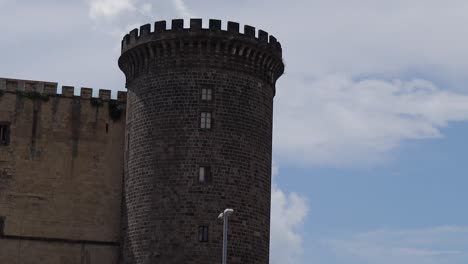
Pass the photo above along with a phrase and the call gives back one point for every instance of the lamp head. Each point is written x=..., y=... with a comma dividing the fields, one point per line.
x=226, y=213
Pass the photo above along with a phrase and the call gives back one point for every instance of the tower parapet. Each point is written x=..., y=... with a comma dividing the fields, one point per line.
x=230, y=49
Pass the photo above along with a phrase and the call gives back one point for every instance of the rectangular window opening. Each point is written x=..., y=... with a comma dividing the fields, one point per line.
x=207, y=94
x=205, y=120
x=2, y=224
x=204, y=174
x=4, y=134
x=203, y=234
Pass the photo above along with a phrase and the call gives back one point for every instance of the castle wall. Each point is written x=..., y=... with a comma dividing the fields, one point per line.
x=60, y=175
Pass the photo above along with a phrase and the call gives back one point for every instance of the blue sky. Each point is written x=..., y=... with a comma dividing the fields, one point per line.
x=370, y=116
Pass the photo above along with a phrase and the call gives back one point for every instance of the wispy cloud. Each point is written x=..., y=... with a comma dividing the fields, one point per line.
x=109, y=8
x=429, y=246
x=337, y=120
x=127, y=9
x=288, y=211
x=118, y=17
x=182, y=9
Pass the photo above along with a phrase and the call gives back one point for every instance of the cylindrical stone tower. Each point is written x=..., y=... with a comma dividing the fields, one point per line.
x=199, y=137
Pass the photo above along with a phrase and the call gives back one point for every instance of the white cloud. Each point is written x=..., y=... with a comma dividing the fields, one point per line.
x=146, y=9
x=109, y=8
x=130, y=10
x=413, y=38
x=336, y=120
x=118, y=17
x=182, y=8
x=288, y=212
x=418, y=246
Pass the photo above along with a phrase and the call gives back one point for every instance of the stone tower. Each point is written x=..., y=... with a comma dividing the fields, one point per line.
x=198, y=140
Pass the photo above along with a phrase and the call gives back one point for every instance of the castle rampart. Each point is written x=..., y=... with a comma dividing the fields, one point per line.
x=61, y=167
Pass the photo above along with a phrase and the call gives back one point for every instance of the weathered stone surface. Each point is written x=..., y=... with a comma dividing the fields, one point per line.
x=60, y=176
x=164, y=202
x=40, y=252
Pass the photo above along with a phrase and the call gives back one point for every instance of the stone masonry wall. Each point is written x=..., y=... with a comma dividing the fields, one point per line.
x=61, y=174
x=164, y=201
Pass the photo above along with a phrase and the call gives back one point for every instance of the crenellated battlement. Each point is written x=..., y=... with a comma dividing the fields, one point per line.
x=177, y=29
x=252, y=52
x=50, y=89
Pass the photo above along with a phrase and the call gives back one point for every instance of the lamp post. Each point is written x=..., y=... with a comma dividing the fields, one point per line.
x=225, y=215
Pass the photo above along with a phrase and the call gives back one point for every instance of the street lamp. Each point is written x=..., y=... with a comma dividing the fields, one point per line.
x=225, y=216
